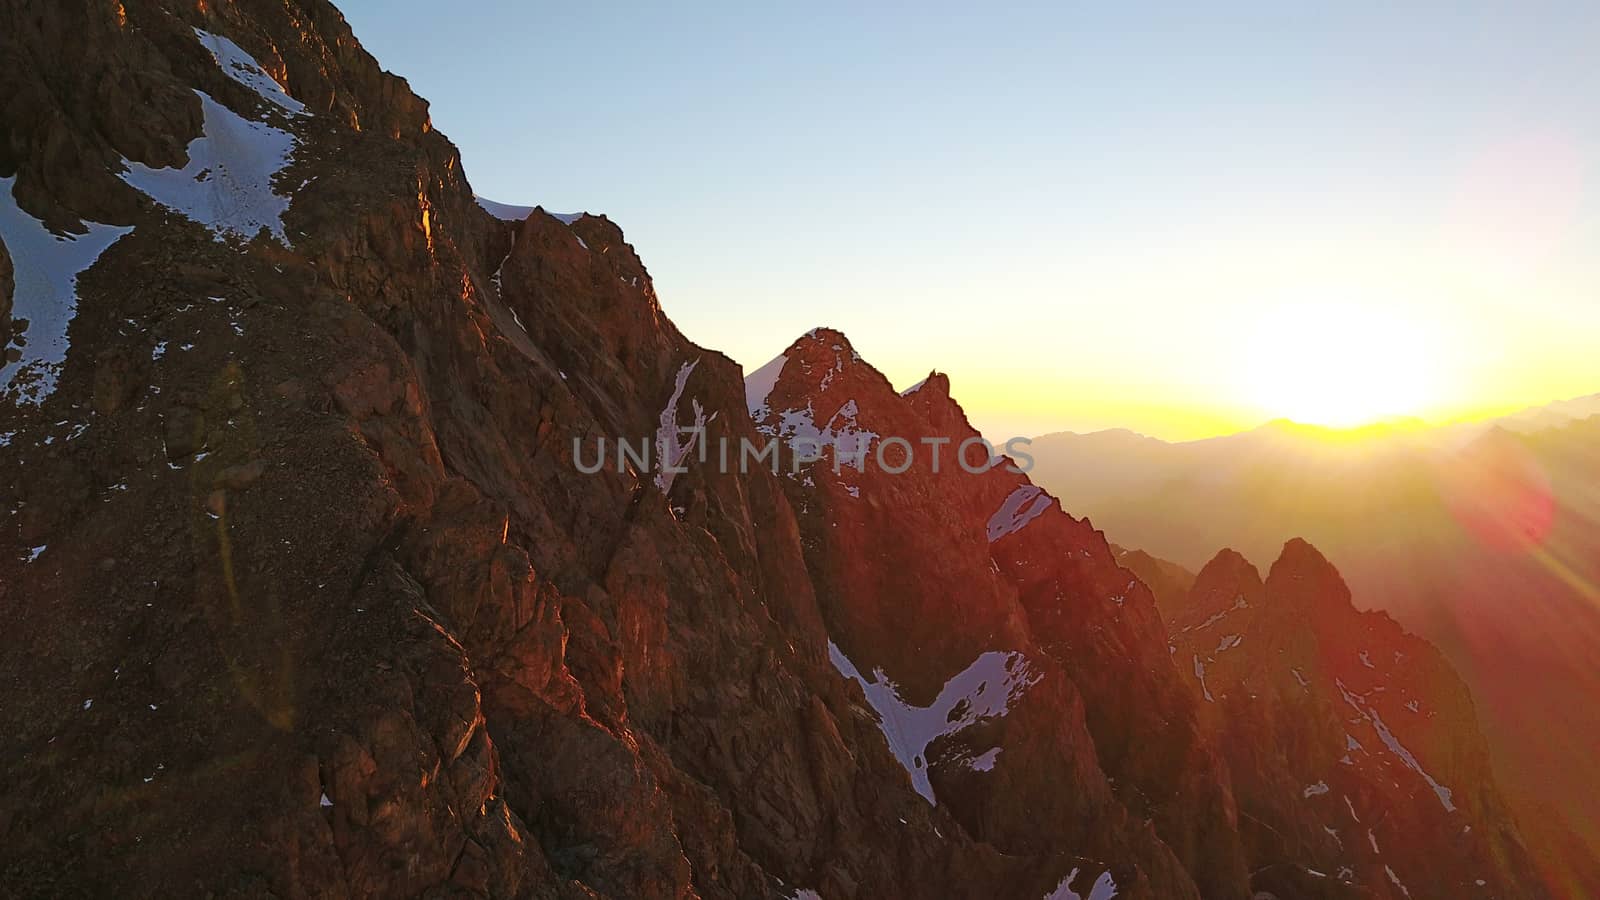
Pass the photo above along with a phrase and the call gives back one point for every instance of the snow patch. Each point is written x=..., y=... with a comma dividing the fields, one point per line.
x=504, y=211
x=1105, y=887
x=843, y=433
x=1395, y=747
x=45, y=267
x=983, y=690
x=243, y=68
x=1315, y=790
x=758, y=387
x=1238, y=603
x=1200, y=673
x=1396, y=879
x=671, y=448
x=984, y=762
x=1022, y=506
x=508, y=212
x=227, y=183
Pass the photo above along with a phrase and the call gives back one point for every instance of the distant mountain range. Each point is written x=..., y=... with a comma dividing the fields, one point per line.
x=1552, y=415
x=1483, y=537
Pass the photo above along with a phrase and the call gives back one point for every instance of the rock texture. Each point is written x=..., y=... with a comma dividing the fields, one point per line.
x=311, y=590
x=1356, y=758
x=919, y=572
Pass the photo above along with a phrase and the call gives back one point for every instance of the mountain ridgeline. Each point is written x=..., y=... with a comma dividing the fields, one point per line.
x=1483, y=538
x=308, y=596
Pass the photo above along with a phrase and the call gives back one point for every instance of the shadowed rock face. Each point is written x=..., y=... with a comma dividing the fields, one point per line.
x=307, y=594
x=1169, y=581
x=1353, y=746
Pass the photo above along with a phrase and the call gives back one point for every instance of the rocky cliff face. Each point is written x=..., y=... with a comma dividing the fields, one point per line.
x=926, y=575
x=311, y=593
x=920, y=571
x=1356, y=757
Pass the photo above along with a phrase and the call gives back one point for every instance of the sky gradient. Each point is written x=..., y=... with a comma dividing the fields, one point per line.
x=1179, y=220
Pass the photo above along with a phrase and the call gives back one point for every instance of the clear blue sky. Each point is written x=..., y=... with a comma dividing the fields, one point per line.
x=1090, y=216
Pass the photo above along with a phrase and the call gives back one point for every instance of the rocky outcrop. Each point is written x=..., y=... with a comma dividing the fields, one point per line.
x=1353, y=746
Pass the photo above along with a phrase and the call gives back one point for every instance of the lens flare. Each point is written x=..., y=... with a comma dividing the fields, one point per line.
x=1499, y=494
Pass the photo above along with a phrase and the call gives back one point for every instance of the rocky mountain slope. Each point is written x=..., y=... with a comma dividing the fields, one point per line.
x=1326, y=716
x=1487, y=544
x=311, y=590
x=921, y=573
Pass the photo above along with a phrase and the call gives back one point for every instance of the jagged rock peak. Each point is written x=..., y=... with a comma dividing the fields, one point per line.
x=931, y=398
x=1228, y=582
x=1369, y=721
x=1299, y=560
x=824, y=370
x=815, y=353
x=935, y=386
x=1228, y=563
x=819, y=366
x=824, y=345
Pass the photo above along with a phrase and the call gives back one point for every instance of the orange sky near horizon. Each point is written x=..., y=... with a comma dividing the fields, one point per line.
x=1452, y=344
x=1482, y=302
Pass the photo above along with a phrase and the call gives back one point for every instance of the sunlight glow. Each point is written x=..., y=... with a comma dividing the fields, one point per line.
x=1341, y=364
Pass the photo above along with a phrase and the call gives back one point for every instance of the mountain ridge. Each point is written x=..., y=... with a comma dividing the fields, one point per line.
x=310, y=595
x=1540, y=416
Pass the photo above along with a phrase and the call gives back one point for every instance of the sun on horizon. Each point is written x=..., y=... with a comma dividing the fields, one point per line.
x=1343, y=365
